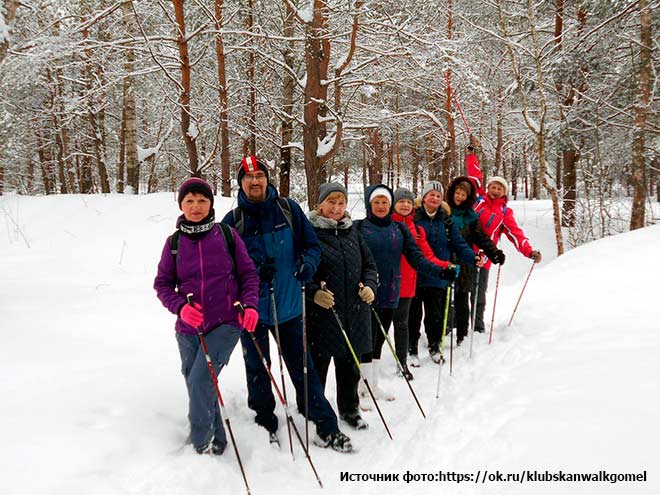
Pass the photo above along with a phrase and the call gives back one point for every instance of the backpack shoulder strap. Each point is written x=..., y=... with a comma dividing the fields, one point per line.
x=237, y=213
x=285, y=208
x=174, y=243
x=230, y=242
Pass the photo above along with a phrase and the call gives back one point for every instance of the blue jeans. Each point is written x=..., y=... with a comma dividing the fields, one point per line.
x=203, y=409
x=260, y=395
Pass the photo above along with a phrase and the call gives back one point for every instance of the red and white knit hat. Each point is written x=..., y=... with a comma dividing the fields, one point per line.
x=251, y=164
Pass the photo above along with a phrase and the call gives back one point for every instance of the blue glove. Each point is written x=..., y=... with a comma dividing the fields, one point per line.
x=305, y=272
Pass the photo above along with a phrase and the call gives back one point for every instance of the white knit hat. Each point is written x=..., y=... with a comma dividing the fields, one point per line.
x=380, y=191
x=500, y=180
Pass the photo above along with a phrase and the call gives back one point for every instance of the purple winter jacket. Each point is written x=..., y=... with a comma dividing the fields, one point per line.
x=204, y=268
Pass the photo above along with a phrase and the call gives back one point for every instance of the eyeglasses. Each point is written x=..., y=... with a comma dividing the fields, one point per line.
x=257, y=177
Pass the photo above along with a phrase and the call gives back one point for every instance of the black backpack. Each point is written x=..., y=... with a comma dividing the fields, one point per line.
x=285, y=208
x=226, y=233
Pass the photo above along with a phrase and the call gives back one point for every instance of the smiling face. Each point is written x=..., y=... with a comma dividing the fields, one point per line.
x=495, y=190
x=380, y=206
x=255, y=185
x=403, y=207
x=195, y=207
x=333, y=206
x=432, y=201
x=459, y=196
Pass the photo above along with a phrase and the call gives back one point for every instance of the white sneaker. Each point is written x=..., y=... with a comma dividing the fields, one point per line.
x=413, y=361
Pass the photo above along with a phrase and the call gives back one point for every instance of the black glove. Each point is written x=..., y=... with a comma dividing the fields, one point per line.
x=498, y=258
x=267, y=271
x=305, y=272
x=450, y=273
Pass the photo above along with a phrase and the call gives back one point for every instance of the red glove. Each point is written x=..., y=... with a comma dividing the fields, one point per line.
x=192, y=315
x=249, y=319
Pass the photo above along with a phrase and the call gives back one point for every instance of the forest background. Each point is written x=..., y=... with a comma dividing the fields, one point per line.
x=101, y=96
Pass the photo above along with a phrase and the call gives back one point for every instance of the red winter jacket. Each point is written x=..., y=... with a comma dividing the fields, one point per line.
x=494, y=214
x=408, y=273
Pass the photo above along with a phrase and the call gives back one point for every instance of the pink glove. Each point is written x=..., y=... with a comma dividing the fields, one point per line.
x=249, y=319
x=192, y=315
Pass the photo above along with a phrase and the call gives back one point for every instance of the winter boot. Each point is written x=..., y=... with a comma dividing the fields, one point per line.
x=436, y=355
x=406, y=373
x=413, y=360
x=274, y=439
x=379, y=393
x=354, y=420
x=337, y=441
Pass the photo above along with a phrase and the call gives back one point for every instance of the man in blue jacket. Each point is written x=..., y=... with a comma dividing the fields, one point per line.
x=284, y=247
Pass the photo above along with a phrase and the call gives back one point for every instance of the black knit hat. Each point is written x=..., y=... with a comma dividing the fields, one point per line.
x=251, y=164
x=329, y=187
x=195, y=185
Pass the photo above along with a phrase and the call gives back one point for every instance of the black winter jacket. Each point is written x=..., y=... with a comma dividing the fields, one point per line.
x=470, y=227
x=345, y=262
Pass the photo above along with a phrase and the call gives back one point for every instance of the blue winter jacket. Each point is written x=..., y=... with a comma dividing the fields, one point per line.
x=388, y=240
x=267, y=234
x=437, y=229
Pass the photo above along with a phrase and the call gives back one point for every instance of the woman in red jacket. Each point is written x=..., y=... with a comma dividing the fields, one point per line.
x=404, y=212
x=496, y=219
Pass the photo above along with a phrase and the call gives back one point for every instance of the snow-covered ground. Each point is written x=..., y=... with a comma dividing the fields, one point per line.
x=94, y=403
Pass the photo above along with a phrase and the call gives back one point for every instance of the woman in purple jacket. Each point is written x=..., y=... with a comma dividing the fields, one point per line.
x=201, y=263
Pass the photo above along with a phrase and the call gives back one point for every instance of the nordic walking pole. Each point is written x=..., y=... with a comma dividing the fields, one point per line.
x=306, y=392
x=473, y=316
x=396, y=358
x=289, y=419
x=279, y=354
x=451, y=336
x=492, y=319
x=521, y=293
x=221, y=403
x=458, y=105
x=357, y=363
x=442, y=339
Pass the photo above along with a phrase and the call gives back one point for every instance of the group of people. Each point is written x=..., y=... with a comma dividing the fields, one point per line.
x=355, y=279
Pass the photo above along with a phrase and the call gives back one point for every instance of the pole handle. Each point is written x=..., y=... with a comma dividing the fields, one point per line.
x=190, y=298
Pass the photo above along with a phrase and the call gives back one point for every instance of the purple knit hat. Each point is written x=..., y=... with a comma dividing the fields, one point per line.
x=195, y=185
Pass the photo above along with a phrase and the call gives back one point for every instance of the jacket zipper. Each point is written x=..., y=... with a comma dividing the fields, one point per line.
x=201, y=269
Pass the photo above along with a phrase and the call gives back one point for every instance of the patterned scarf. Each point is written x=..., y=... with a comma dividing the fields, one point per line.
x=197, y=229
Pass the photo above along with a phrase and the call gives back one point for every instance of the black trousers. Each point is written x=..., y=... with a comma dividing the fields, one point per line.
x=347, y=377
x=429, y=301
x=479, y=325
x=399, y=317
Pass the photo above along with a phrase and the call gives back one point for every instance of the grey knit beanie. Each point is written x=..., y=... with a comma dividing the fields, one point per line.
x=432, y=185
x=329, y=187
x=403, y=193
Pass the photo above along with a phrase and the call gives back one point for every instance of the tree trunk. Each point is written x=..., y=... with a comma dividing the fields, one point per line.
x=376, y=167
x=225, y=161
x=10, y=8
x=96, y=131
x=129, y=119
x=449, y=155
x=252, y=92
x=570, y=160
x=637, y=217
x=189, y=135
x=286, y=124
x=500, y=132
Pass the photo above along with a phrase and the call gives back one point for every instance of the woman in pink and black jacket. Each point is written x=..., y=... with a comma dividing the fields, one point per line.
x=202, y=263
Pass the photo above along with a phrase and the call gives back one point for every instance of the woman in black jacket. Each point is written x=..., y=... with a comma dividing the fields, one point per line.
x=461, y=196
x=350, y=277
